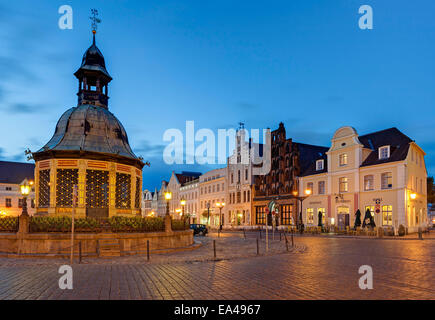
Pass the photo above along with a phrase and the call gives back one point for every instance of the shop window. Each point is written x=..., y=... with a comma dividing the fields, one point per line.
x=387, y=215
x=310, y=215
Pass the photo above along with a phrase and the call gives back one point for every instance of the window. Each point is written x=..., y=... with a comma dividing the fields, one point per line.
x=232, y=178
x=386, y=180
x=321, y=187
x=260, y=216
x=286, y=214
x=239, y=197
x=248, y=197
x=244, y=196
x=32, y=203
x=371, y=209
x=384, y=152
x=310, y=215
x=238, y=176
x=323, y=212
x=310, y=186
x=368, y=182
x=218, y=186
x=20, y=203
x=343, y=159
x=8, y=202
x=319, y=165
x=387, y=215
x=213, y=188
x=343, y=184
x=8, y=188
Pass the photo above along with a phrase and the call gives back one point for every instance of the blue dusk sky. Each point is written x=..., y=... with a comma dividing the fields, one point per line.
x=303, y=62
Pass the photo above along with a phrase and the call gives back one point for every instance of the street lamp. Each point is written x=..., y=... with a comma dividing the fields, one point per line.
x=25, y=190
x=301, y=199
x=220, y=205
x=413, y=196
x=168, y=197
x=183, y=205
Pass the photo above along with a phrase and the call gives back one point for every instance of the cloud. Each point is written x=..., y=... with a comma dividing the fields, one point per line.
x=22, y=108
x=247, y=106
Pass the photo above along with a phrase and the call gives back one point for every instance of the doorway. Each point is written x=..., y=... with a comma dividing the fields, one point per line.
x=342, y=217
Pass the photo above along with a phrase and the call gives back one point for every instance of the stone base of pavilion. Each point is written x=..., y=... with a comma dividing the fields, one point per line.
x=104, y=244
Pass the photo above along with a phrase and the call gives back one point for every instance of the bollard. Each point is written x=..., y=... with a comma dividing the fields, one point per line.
x=214, y=248
x=420, y=234
x=292, y=240
x=98, y=248
x=258, y=249
x=244, y=234
x=286, y=244
x=280, y=236
x=260, y=233
x=80, y=252
x=148, y=250
x=219, y=233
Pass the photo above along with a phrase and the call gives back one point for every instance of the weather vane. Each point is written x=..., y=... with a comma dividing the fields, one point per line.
x=94, y=20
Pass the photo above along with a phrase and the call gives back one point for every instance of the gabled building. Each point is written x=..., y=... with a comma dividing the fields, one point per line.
x=12, y=174
x=276, y=189
x=383, y=172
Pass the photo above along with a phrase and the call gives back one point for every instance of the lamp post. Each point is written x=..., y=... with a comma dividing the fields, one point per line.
x=168, y=197
x=25, y=190
x=301, y=199
x=220, y=205
x=183, y=206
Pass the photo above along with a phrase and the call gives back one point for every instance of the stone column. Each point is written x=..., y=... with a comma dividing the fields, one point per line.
x=81, y=206
x=23, y=230
x=53, y=170
x=168, y=223
x=112, y=189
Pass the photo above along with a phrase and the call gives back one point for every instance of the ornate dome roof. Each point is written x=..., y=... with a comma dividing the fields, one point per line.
x=89, y=129
x=93, y=60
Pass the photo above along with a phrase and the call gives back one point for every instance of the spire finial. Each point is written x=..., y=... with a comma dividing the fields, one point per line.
x=95, y=21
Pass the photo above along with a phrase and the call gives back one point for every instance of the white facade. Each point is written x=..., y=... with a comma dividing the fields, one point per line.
x=190, y=193
x=11, y=200
x=240, y=180
x=212, y=190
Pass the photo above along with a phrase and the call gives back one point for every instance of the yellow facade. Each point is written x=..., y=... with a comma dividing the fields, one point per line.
x=394, y=191
x=82, y=165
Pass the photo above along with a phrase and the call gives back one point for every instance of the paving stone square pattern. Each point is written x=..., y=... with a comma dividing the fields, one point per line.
x=316, y=268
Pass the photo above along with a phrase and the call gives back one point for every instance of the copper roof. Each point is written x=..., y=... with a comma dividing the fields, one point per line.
x=89, y=128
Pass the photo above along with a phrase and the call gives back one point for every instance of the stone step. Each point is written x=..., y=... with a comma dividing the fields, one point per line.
x=109, y=247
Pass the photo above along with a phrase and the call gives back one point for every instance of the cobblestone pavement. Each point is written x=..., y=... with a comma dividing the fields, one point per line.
x=318, y=268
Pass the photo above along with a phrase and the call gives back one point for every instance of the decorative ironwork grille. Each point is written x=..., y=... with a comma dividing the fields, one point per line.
x=65, y=181
x=123, y=191
x=137, y=194
x=97, y=189
x=44, y=188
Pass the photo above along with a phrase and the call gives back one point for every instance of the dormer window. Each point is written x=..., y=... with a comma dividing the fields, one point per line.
x=384, y=152
x=319, y=165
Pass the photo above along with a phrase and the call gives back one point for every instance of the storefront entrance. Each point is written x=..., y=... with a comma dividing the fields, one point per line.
x=342, y=217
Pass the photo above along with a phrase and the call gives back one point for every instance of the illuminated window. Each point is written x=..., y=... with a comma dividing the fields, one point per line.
x=321, y=187
x=8, y=202
x=260, y=215
x=371, y=209
x=386, y=180
x=323, y=212
x=369, y=182
x=310, y=215
x=310, y=186
x=343, y=159
x=343, y=184
x=387, y=215
x=286, y=214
